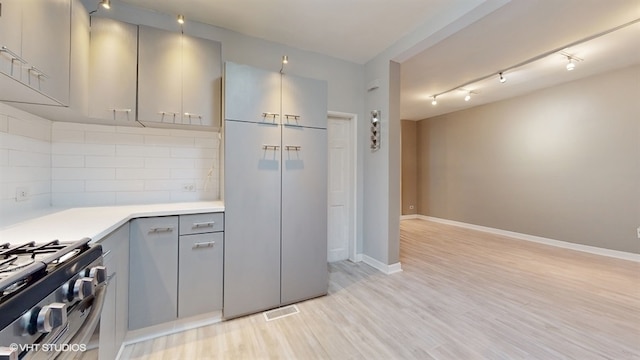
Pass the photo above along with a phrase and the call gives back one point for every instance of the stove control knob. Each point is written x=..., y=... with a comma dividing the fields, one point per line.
x=51, y=317
x=83, y=288
x=99, y=274
x=9, y=353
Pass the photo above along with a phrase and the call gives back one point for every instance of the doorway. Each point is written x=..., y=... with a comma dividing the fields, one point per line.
x=342, y=159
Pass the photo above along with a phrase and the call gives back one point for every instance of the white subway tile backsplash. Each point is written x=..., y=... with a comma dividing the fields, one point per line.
x=31, y=127
x=117, y=138
x=66, y=161
x=83, y=174
x=4, y=157
x=114, y=185
x=67, y=135
x=168, y=163
x=146, y=197
x=114, y=162
x=143, y=174
x=20, y=158
x=67, y=186
x=142, y=150
x=163, y=140
x=72, y=164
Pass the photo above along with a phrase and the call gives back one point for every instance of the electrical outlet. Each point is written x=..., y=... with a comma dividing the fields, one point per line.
x=411, y=207
x=22, y=193
x=189, y=187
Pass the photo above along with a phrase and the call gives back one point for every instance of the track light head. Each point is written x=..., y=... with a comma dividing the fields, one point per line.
x=180, y=19
x=502, y=78
x=468, y=97
x=571, y=65
x=105, y=4
x=434, y=101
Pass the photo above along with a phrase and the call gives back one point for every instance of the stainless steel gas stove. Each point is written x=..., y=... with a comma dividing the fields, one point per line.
x=51, y=297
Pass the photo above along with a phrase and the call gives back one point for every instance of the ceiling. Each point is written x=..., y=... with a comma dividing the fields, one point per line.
x=358, y=30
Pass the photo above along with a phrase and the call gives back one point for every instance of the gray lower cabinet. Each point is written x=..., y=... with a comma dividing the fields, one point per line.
x=200, y=273
x=113, y=320
x=153, y=280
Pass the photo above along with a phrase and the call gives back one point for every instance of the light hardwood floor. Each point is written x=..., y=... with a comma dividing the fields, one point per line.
x=463, y=294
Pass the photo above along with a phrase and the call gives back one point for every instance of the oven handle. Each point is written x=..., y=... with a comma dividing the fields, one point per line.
x=87, y=328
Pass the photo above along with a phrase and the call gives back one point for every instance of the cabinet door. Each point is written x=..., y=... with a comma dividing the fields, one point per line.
x=304, y=102
x=113, y=321
x=250, y=93
x=201, y=82
x=159, y=75
x=252, y=218
x=107, y=346
x=200, y=274
x=46, y=45
x=153, y=266
x=113, y=62
x=304, y=213
x=11, y=37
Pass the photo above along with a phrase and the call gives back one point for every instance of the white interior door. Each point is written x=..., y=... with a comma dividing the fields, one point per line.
x=340, y=188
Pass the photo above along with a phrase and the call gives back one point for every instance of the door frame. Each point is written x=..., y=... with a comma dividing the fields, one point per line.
x=353, y=201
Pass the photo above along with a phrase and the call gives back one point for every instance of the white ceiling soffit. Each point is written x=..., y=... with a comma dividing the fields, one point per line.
x=352, y=30
x=518, y=31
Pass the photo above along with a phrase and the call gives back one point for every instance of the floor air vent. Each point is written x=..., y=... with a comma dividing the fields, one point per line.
x=279, y=313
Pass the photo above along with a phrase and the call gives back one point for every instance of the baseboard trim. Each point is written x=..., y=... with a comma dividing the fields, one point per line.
x=409, y=217
x=171, y=327
x=538, y=239
x=387, y=269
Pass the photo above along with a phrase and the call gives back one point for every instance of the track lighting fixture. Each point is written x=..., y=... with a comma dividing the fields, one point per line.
x=468, y=97
x=434, y=101
x=285, y=60
x=571, y=65
x=502, y=78
x=105, y=4
x=180, y=19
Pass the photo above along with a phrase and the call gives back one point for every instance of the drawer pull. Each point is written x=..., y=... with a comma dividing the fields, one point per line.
x=204, y=224
x=161, y=229
x=202, y=245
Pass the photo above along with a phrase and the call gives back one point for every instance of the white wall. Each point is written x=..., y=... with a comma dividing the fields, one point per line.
x=561, y=163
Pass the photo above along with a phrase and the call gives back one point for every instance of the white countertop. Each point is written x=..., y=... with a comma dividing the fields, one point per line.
x=94, y=222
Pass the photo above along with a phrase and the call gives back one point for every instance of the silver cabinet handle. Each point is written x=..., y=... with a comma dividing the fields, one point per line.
x=161, y=229
x=267, y=147
x=14, y=56
x=202, y=245
x=193, y=115
x=266, y=114
x=293, y=147
x=106, y=253
x=204, y=224
x=295, y=117
x=39, y=73
x=120, y=110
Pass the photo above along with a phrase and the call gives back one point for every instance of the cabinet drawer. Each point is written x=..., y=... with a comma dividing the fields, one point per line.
x=201, y=223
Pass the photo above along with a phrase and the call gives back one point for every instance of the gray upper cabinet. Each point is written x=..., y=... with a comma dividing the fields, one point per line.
x=35, y=58
x=304, y=102
x=178, y=79
x=113, y=59
x=251, y=94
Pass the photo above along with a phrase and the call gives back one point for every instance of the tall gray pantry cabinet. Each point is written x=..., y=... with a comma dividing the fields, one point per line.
x=275, y=189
